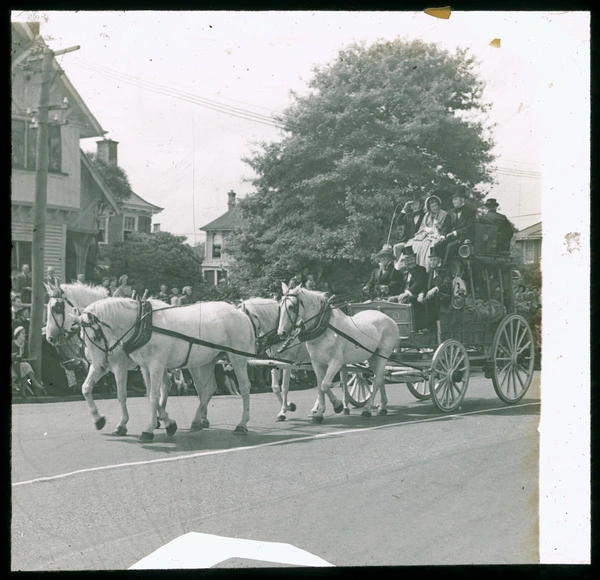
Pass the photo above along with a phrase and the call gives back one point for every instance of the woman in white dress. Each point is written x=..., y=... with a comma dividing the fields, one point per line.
x=435, y=224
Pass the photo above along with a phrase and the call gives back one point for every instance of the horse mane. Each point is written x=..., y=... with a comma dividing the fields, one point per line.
x=109, y=307
x=312, y=298
x=82, y=295
x=257, y=309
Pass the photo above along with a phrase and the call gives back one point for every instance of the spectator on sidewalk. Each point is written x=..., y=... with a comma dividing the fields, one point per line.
x=175, y=297
x=186, y=296
x=163, y=294
x=21, y=368
x=123, y=290
x=24, y=284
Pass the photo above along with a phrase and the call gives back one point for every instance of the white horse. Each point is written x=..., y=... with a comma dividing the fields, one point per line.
x=368, y=335
x=264, y=313
x=65, y=304
x=193, y=336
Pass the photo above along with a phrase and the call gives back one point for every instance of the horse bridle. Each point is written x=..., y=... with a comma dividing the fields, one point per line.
x=295, y=307
x=58, y=309
x=96, y=324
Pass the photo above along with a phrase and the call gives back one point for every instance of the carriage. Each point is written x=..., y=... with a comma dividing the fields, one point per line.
x=478, y=329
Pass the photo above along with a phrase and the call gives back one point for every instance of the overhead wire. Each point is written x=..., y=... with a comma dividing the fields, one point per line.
x=238, y=112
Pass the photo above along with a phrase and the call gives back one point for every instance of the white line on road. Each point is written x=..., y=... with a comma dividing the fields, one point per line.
x=262, y=445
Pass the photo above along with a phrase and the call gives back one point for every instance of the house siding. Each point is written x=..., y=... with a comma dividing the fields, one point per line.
x=54, y=249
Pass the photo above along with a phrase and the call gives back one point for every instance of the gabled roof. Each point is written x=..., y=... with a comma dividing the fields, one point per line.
x=25, y=39
x=98, y=178
x=135, y=202
x=531, y=232
x=230, y=220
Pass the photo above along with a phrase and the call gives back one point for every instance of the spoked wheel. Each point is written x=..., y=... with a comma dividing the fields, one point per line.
x=449, y=375
x=514, y=357
x=419, y=390
x=359, y=387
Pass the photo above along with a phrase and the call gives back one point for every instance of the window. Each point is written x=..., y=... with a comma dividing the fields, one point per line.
x=529, y=252
x=209, y=277
x=21, y=254
x=128, y=226
x=144, y=224
x=221, y=276
x=216, y=250
x=103, y=230
x=24, y=146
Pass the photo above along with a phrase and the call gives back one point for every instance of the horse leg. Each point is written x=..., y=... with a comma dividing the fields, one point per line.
x=276, y=388
x=344, y=382
x=319, y=408
x=205, y=385
x=119, y=369
x=327, y=382
x=377, y=365
x=285, y=387
x=240, y=366
x=93, y=376
x=155, y=384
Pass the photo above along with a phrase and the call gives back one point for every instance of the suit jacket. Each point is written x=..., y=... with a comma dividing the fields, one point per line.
x=415, y=282
x=412, y=223
x=462, y=221
x=505, y=229
x=388, y=277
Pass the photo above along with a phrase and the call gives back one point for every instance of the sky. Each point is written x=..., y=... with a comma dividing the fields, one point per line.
x=154, y=79
x=177, y=90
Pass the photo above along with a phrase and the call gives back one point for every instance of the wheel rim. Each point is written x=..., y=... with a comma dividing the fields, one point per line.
x=420, y=389
x=449, y=377
x=514, y=358
x=359, y=388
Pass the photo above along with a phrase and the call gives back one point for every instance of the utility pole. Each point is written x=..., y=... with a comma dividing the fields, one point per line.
x=36, y=322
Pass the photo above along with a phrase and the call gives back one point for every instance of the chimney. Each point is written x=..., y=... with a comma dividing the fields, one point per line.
x=231, y=200
x=107, y=150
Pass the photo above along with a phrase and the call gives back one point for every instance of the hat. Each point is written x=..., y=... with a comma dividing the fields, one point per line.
x=435, y=252
x=491, y=202
x=18, y=330
x=386, y=251
x=408, y=251
x=432, y=198
x=459, y=193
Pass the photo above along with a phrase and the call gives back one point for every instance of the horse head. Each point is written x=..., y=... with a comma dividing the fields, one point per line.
x=289, y=310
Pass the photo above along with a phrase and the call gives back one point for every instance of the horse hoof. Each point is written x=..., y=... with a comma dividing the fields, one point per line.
x=100, y=423
x=346, y=411
x=339, y=408
x=171, y=429
x=199, y=425
x=157, y=424
x=292, y=407
x=120, y=431
x=366, y=414
x=382, y=412
x=281, y=417
x=317, y=419
x=240, y=430
x=146, y=437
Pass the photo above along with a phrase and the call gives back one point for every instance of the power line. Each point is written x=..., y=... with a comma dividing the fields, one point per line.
x=189, y=97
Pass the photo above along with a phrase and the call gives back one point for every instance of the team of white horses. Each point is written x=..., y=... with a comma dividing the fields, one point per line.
x=197, y=335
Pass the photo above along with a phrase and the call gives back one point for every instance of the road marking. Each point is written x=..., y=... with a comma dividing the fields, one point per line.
x=195, y=550
x=262, y=445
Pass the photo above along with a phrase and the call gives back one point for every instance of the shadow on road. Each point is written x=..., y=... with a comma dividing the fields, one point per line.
x=221, y=438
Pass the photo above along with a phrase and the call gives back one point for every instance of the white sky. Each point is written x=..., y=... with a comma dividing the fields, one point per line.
x=538, y=81
x=185, y=157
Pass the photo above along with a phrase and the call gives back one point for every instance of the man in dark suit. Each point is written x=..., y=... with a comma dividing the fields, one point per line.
x=462, y=225
x=438, y=290
x=504, y=227
x=409, y=223
x=414, y=283
x=384, y=280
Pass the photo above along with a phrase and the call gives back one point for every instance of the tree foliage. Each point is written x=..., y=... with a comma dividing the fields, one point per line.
x=379, y=125
x=115, y=178
x=155, y=259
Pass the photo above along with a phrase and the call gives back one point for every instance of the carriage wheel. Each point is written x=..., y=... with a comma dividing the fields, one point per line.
x=359, y=387
x=419, y=390
x=449, y=375
x=514, y=357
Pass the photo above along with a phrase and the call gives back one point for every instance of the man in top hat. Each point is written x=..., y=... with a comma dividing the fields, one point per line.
x=462, y=225
x=438, y=288
x=384, y=279
x=494, y=218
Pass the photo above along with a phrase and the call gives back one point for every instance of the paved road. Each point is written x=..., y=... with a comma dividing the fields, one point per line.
x=415, y=487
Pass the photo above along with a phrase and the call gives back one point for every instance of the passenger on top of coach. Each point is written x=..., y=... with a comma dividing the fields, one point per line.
x=492, y=217
x=462, y=226
x=385, y=279
x=409, y=223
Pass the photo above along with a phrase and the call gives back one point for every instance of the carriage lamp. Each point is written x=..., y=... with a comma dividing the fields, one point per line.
x=466, y=249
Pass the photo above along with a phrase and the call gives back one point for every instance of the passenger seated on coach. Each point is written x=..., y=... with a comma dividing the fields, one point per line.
x=461, y=226
x=385, y=279
x=437, y=291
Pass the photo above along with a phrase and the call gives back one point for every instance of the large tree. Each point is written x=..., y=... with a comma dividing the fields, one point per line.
x=114, y=176
x=155, y=259
x=379, y=125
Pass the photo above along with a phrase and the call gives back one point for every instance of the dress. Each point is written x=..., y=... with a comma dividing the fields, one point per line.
x=123, y=292
x=432, y=227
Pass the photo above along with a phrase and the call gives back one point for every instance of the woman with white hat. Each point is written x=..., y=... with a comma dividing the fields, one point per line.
x=24, y=370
